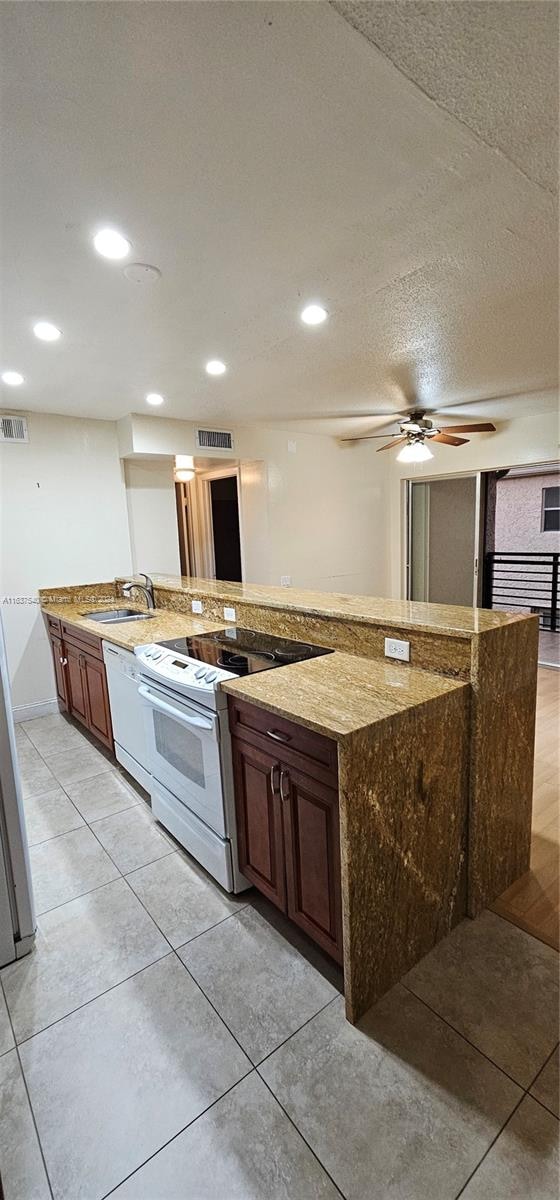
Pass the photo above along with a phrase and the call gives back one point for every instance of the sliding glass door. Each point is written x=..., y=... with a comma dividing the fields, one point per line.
x=445, y=528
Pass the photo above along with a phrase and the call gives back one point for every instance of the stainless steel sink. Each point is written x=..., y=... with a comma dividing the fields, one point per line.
x=112, y=616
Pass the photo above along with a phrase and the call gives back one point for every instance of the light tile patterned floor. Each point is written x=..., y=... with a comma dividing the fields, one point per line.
x=151, y=995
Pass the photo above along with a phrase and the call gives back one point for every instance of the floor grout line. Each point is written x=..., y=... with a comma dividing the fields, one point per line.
x=301, y=1135
x=222, y=921
x=81, y=895
x=179, y=1132
x=254, y=1067
x=91, y=1000
x=31, y=1109
x=489, y=1148
x=465, y=1038
x=296, y=1031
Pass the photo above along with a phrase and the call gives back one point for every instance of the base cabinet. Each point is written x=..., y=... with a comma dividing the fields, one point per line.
x=81, y=681
x=288, y=824
x=59, y=671
x=76, y=689
x=260, y=829
x=311, y=833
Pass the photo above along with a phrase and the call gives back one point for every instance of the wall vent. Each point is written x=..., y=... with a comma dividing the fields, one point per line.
x=214, y=439
x=13, y=429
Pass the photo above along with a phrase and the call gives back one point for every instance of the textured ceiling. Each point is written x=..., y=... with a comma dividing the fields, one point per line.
x=493, y=64
x=261, y=155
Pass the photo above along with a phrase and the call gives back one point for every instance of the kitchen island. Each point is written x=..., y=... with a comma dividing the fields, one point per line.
x=434, y=757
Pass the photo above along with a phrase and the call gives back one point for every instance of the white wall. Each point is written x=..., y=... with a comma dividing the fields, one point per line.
x=152, y=515
x=63, y=520
x=531, y=439
x=325, y=508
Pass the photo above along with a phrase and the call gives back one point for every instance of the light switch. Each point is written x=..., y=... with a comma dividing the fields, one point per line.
x=229, y=614
x=396, y=649
x=197, y=606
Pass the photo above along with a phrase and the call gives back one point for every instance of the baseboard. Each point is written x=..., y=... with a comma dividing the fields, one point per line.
x=26, y=712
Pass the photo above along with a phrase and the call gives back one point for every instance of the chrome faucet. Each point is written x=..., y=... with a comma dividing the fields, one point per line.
x=147, y=590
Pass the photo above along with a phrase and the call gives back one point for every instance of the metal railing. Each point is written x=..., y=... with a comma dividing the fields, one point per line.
x=514, y=580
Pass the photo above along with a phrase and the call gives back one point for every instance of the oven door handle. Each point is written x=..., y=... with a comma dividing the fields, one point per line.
x=176, y=713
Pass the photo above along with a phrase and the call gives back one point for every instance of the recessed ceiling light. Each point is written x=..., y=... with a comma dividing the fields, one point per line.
x=215, y=367
x=12, y=378
x=154, y=398
x=314, y=314
x=111, y=244
x=46, y=331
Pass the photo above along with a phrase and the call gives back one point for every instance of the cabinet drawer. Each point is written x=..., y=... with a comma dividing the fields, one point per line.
x=84, y=641
x=53, y=624
x=294, y=743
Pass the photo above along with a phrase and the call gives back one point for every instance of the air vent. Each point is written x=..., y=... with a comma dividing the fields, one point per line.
x=214, y=439
x=13, y=429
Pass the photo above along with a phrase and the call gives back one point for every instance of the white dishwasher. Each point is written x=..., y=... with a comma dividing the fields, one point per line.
x=127, y=712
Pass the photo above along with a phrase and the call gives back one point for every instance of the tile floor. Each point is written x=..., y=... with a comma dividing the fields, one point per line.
x=165, y=1042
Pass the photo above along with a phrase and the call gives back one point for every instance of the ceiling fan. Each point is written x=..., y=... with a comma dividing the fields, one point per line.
x=416, y=430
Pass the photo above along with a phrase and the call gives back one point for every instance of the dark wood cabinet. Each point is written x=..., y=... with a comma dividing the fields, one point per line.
x=81, y=681
x=75, y=676
x=97, y=699
x=286, y=798
x=310, y=815
x=59, y=670
x=259, y=821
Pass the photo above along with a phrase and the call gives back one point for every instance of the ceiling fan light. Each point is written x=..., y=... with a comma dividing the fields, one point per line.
x=414, y=452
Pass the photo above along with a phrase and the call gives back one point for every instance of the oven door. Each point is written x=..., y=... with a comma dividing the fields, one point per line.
x=184, y=753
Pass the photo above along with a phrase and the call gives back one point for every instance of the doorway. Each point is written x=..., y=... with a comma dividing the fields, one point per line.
x=444, y=530
x=224, y=505
x=209, y=523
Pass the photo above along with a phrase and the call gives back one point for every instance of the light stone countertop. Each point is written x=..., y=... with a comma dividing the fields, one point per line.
x=335, y=695
x=450, y=620
x=339, y=694
x=161, y=628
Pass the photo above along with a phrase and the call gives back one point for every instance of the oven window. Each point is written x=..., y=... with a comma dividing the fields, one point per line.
x=180, y=747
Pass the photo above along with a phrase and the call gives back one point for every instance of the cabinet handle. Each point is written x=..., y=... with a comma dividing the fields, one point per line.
x=278, y=737
x=273, y=786
x=64, y=662
x=283, y=776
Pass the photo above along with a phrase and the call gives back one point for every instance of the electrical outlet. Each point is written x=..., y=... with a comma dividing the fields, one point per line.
x=396, y=649
x=229, y=614
x=285, y=581
x=196, y=606
x=292, y=447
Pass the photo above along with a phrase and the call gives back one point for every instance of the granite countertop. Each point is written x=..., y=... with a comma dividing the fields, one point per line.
x=336, y=694
x=161, y=628
x=339, y=694
x=446, y=619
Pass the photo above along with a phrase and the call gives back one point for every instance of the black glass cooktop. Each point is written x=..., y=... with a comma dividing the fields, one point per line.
x=244, y=651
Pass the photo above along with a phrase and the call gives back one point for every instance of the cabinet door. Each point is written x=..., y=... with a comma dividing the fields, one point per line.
x=59, y=670
x=312, y=847
x=75, y=683
x=97, y=699
x=259, y=820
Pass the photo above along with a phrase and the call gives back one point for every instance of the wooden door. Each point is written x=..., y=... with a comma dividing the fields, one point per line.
x=312, y=849
x=59, y=670
x=97, y=699
x=75, y=677
x=259, y=820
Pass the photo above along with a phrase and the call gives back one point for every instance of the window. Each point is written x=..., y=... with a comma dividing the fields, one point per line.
x=550, y=517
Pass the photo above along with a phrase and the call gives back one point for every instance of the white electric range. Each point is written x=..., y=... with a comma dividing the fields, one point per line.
x=188, y=738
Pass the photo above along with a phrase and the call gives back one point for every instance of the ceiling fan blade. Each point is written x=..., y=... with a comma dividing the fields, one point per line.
x=448, y=440
x=395, y=442
x=483, y=427
x=365, y=437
